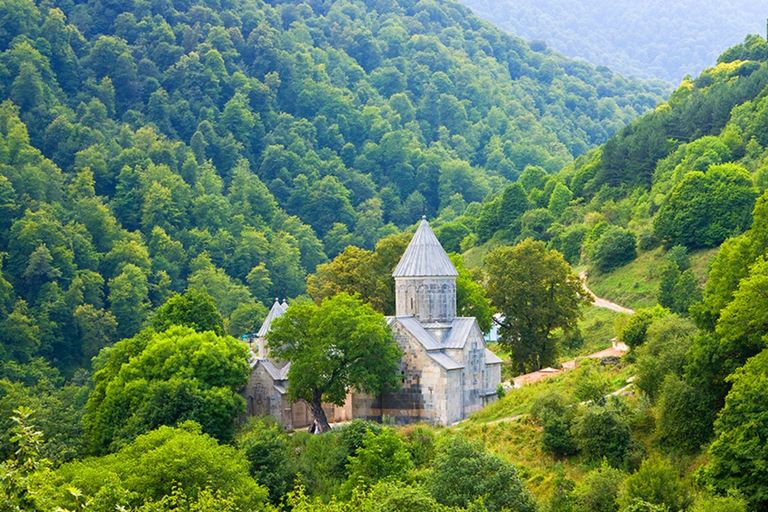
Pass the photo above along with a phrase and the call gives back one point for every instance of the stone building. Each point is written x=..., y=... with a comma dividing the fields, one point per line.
x=266, y=393
x=446, y=372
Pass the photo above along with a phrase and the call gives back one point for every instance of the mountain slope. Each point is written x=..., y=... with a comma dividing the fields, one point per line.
x=652, y=39
x=151, y=147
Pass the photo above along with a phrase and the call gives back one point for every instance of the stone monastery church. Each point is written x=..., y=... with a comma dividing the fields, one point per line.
x=447, y=372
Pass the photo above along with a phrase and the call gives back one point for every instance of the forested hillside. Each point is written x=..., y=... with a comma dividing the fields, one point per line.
x=650, y=39
x=151, y=147
x=685, y=174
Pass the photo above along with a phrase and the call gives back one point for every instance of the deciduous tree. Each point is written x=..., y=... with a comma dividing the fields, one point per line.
x=156, y=379
x=536, y=292
x=341, y=345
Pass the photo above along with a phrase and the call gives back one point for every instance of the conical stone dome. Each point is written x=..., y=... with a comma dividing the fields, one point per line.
x=425, y=257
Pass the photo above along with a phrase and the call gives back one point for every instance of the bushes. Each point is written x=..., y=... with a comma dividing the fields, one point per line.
x=599, y=490
x=464, y=471
x=154, y=464
x=555, y=415
x=602, y=432
x=420, y=443
x=382, y=456
x=656, y=483
x=634, y=331
x=615, y=247
x=267, y=450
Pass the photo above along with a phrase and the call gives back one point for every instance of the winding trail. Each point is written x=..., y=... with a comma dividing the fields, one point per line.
x=603, y=303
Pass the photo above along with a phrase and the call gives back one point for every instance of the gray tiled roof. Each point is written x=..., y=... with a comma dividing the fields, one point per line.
x=277, y=374
x=445, y=361
x=425, y=257
x=276, y=312
x=417, y=331
x=491, y=358
x=461, y=327
x=431, y=345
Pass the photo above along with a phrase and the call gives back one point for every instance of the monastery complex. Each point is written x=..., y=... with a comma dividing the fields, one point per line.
x=447, y=373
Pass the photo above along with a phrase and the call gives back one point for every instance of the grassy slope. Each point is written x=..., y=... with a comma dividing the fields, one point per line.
x=597, y=329
x=519, y=441
x=636, y=285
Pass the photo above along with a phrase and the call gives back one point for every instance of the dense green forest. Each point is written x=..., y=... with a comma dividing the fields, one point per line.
x=686, y=174
x=151, y=147
x=166, y=169
x=651, y=39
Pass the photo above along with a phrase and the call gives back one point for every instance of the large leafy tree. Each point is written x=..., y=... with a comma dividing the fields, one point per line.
x=706, y=208
x=536, y=292
x=739, y=456
x=471, y=298
x=358, y=271
x=195, y=309
x=369, y=274
x=156, y=379
x=341, y=345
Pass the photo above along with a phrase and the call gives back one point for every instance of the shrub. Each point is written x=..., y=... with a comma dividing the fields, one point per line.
x=646, y=240
x=719, y=504
x=549, y=404
x=552, y=411
x=657, y=483
x=615, y=247
x=464, y=471
x=389, y=496
x=601, y=432
x=321, y=462
x=420, y=443
x=266, y=447
x=592, y=385
x=382, y=456
x=599, y=490
x=353, y=434
x=156, y=463
x=634, y=331
x=556, y=437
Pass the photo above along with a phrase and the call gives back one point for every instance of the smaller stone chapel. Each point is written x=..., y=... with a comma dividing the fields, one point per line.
x=447, y=373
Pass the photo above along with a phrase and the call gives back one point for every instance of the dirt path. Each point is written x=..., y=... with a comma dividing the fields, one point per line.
x=602, y=303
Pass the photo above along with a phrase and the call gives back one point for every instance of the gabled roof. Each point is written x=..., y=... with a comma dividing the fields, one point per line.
x=461, y=328
x=276, y=312
x=445, y=361
x=277, y=374
x=433, y=347
x=425, y=257
x=491, y=358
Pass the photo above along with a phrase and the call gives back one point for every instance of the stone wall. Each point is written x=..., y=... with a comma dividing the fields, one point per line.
x=428, y=299
x=422, y=394
x=263, y=399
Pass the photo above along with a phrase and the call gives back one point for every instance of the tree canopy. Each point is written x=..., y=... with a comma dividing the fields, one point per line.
x=536, y=291
x=338, y=346
x=156, y=379
x=195, y=308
